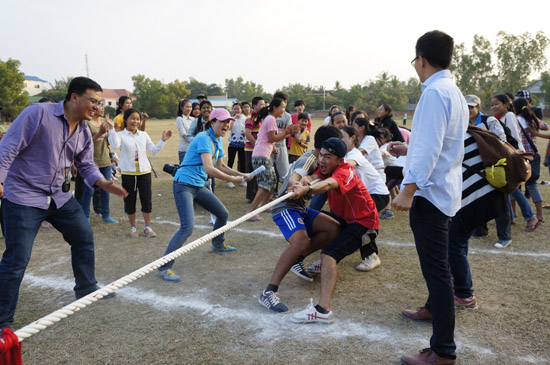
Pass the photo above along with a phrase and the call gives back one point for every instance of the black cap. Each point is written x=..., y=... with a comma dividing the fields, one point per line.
x=335, y=146
x=202, y=96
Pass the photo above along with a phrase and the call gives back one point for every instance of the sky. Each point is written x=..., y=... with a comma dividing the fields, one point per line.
x=272, y=43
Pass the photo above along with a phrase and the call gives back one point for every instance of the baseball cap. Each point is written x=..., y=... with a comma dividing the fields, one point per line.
x=523, y=94
x=335, y=146
x=202, y=96
x=220, y=114
x=472, y=100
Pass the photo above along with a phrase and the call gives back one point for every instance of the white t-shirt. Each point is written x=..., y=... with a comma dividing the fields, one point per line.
x=367, y=173
x=373, y=154
x=236, y=138
x=327, y=121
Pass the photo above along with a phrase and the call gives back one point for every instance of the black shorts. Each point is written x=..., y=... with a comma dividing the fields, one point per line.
x=347, y=242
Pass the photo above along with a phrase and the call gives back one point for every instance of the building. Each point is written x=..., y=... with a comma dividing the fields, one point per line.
x=111, y=96
x=33, y=85
x=536, y=90
x=219, y=101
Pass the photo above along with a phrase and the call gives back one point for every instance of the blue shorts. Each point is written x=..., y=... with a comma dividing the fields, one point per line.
x=292, y=220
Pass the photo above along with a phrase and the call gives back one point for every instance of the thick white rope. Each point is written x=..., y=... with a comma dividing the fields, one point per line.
x=75, y=306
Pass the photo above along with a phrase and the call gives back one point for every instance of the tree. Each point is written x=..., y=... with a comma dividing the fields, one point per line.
x=518, y=56
x=243, y=91
x=58, y=91
x=196, y=87
x=157, y=99
x=473, y=71
x=12, y=97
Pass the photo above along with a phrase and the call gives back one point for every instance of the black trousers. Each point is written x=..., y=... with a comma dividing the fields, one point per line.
x=431, y=237
x=231, y=152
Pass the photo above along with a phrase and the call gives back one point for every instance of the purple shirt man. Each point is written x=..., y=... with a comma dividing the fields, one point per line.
x=35, y=156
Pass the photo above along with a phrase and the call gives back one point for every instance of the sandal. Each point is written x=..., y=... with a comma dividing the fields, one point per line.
x=532, y=227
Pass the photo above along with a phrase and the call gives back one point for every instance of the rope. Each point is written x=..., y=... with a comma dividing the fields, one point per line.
x=54, y=317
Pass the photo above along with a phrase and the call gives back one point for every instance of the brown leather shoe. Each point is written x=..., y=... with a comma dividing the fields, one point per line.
x=421, y=314
x=426, y=356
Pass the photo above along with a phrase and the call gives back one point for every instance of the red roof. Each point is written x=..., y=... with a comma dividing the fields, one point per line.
x=115, y=93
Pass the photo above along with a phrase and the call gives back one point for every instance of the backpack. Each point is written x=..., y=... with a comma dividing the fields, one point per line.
x=506, y=167
x=509, y=138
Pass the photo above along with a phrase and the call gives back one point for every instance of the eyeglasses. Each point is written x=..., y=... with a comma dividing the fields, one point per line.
x=93, y=101
x=414, y=59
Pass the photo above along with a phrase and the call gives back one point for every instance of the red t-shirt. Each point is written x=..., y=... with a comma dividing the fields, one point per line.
x=249, y=124
x=351, y=201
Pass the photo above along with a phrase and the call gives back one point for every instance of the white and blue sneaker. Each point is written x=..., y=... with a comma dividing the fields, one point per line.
x=168, y=275
x=387, y=214
x=311, y=315
x=271, y=301
x=299, y=270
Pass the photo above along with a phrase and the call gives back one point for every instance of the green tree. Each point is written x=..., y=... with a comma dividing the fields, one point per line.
x=243, y=91
x=157, y=99
x=12, y=97
x=473, y=71
x=518, y=56
x=58, y=90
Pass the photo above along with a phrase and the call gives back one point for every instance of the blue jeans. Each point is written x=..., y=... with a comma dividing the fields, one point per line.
x=458, y=259
x=185, y=195
x=523, y=204
x=104, y=196
x=21, y=225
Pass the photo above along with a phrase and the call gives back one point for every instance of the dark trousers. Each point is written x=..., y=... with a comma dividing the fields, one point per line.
x=239, y=152
x=458, y=259
x=133, y=183
x=251, y=186
x=22, y=224
x=431, y=236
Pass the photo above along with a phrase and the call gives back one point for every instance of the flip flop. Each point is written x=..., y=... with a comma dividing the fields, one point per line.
x=547, y=206
x=532, y=228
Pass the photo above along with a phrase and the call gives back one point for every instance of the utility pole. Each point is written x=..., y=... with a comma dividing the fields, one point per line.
x=87, y=70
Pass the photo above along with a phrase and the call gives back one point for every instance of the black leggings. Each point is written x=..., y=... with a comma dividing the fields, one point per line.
x=133, y=183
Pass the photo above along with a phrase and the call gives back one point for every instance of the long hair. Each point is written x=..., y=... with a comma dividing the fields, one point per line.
x=121, y=101
x=181, y=105
x=201, y=125
x=521, y=106
x=275, y=103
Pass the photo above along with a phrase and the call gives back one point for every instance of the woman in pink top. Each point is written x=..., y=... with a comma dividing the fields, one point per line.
x=264, y=147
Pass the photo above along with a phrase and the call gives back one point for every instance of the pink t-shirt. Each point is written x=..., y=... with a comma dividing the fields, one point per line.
x=263, y=147
x=406, y=134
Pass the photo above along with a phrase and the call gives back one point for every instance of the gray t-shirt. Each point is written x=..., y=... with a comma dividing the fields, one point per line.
x=282, y=123
x=305, y=165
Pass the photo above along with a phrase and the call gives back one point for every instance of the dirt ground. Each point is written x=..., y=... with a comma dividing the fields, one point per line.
x=212, y=315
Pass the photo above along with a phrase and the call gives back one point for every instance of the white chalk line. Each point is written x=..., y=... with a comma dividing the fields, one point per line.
x=473, y=251
x=272, y=327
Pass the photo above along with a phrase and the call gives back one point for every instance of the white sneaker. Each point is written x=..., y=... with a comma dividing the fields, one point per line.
x=133, y=232
x=315, y=268
x=230, y=185
x=148, y=232
x=243, y=183
x=369, y=263
x=503, y=243
x=311, y=315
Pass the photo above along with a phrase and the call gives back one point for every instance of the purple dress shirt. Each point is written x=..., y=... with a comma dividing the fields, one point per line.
x=36, y=153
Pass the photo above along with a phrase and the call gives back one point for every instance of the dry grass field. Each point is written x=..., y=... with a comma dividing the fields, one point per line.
x=212, y=316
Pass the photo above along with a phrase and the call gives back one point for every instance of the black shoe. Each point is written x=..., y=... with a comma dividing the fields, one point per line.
x=79, y=295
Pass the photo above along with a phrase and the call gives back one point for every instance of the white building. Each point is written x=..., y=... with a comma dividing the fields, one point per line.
x=33, y=85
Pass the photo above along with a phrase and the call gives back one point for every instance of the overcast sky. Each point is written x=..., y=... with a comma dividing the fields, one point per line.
x=272, y=43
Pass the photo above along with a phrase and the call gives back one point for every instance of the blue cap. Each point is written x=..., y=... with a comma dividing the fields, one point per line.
x=335, y=146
